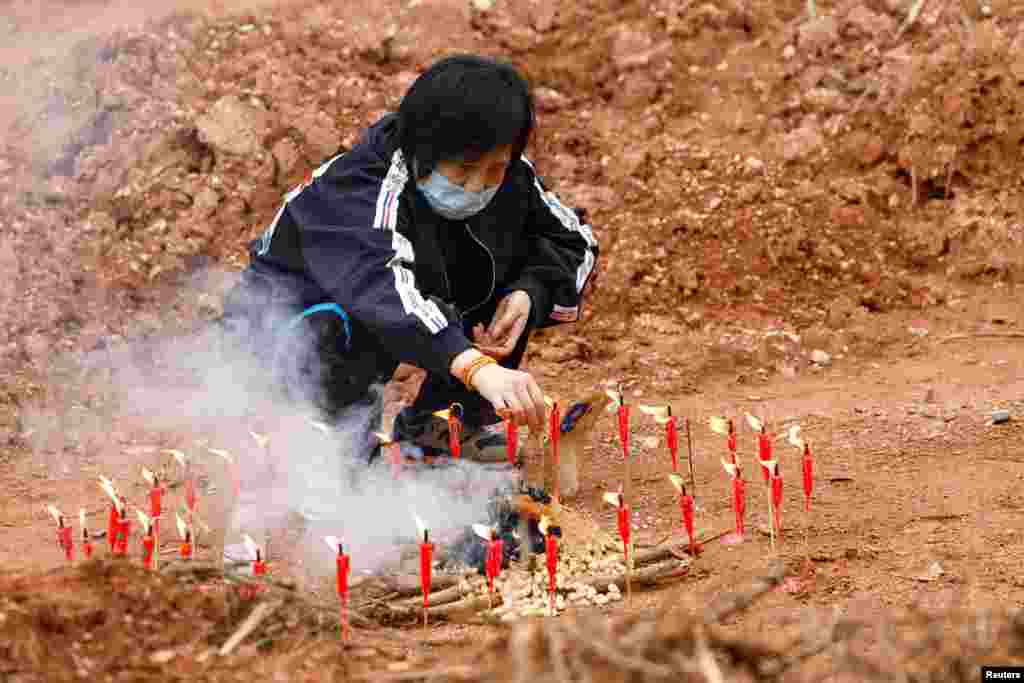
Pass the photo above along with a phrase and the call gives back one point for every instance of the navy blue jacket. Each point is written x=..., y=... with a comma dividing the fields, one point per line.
x=359, y=234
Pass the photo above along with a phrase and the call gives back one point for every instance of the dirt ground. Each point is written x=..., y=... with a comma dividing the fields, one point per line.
x=815, y=220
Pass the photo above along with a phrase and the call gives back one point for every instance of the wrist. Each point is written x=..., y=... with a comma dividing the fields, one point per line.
x=463, y=360
x=471, y=372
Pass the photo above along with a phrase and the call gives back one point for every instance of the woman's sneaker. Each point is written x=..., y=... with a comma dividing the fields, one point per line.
x=487, y=444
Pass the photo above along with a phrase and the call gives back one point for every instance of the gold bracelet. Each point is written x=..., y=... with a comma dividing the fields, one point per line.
x=475, y=367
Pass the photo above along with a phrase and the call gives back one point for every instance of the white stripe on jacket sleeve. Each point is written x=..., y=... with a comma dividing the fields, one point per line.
x=571, y=222
x=386, y=218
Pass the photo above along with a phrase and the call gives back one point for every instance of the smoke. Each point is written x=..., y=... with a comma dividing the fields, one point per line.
x=207, y=390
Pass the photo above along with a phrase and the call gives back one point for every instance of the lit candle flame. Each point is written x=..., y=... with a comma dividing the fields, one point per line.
x=178, y=455
x=420, y=525
x=544, y=525
x=223, y=454
x=250, y=545
x=613, y=499
x=55, y=513
x=616, y=400
x=108, y=487
x=661, y=414
x=261, y=439
x=333, y=542
x=483, y=531
x=149, y=477
x=549, y=402
x=730, y=468
x=794, y=438
x=81, y=518
x=677, y=482
x=755, y=424
x=182, y=527
x=144, y=519
x=320, y=426
x=719, y=425
x=446, y=414
x=384, y=439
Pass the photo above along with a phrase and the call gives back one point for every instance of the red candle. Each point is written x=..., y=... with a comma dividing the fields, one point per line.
x=148, y=545
x=731, y=441
x=455, y=430
x=259, y=567
x=686, y=506
x=124, y=532
x=512, y=438
x=343, y=567
x=65, y=542
x=112, y=527
x=551, y=549
x=426, y=556
x=624, y=527
x=764, y=452
x=808, y=468
x=777, y=499
x=673, y=441
x=739, y=501
x=492, y=564
x=156, y=503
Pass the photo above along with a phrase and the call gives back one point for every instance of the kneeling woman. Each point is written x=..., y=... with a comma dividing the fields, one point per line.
x=432, y=242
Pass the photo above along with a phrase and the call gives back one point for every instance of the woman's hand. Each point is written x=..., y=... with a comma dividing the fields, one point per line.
x=507, y=326
x=513, y=394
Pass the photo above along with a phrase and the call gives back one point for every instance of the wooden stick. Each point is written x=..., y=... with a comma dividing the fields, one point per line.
x=255, y=618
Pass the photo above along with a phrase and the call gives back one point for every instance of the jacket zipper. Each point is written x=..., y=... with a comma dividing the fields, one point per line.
x=494, y=271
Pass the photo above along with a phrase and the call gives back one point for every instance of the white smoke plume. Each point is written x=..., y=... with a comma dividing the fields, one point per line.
x=203, y=391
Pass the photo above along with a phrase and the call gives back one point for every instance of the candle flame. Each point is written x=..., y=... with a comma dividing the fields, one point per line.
x=261, y=439
x=661, y=414
x=794, y=438
x=731, y=468
x=81, y=518
x=178, y=455
x=483, y=531
x=755, y=424
x=616, y=400
x=250, y=545
x=550, y=402
x=613, y=499
x=111, y=491
x=182, y=527
x=544, y=525
x=333, y=542
x=55, y=513
x=677, y=482
x=320, y=426
x=144, y=519
x=719, y=425
x=223, y=454
x=770, y=465
x=384, y=439
x=149, y=477
x=420, y=524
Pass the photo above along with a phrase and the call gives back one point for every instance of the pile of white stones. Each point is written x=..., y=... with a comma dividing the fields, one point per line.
x=525, y=593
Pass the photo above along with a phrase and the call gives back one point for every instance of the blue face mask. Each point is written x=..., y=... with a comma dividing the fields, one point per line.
x=451, y=201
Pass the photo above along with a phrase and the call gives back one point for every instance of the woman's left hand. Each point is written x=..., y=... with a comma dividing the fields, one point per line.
x=507, y=326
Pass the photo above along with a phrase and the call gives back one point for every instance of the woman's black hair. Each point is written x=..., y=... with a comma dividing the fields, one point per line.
x=461, y=108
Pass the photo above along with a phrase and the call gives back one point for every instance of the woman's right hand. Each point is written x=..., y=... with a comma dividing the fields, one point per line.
x=512, y=393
